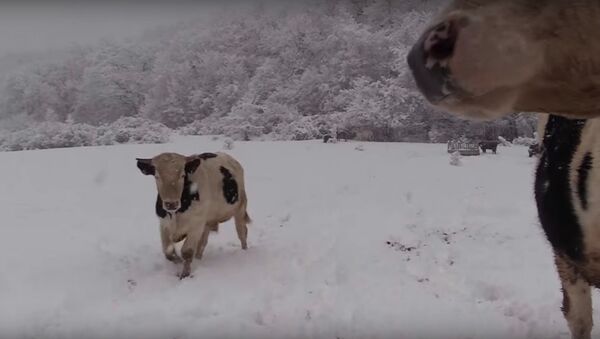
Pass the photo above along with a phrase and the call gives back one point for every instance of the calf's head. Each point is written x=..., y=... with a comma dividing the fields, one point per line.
x=170, y=171
x=488, y=58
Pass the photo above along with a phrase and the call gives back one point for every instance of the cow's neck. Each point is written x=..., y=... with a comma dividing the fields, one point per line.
x=188, y=196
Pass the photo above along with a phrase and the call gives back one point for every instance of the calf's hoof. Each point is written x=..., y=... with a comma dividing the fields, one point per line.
x=186, y=272
x=184, y=275
x=187, y=267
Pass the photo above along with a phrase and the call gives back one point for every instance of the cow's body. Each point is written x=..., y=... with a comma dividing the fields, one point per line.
x=212, y=194
x=569, y=208
x=488, y=58
x=344, y=135
x=489, y=145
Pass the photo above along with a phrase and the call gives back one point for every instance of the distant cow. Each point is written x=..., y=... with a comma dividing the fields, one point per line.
x=195, y=195
x=489, y=145
x=344, y=135
x=341, y=135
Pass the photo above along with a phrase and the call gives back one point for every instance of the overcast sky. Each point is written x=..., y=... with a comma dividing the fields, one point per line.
x=34, y=27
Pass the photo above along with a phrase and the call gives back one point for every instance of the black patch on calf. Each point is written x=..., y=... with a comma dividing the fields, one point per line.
x=186, y=196
x=552, y=189
x=230, y=187
x=186, y=200
x=191, y=166
x=583, y=171
x=205, y=156
x=160, y=211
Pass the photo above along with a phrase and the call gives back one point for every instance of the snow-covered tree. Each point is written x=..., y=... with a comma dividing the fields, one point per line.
x=293, y=72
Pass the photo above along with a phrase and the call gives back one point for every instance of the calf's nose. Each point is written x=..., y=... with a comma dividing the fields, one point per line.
x=171, y=206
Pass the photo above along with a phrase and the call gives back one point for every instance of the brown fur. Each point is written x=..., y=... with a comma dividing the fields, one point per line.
x=522, y=55
x=577, y=299
x=483, y=59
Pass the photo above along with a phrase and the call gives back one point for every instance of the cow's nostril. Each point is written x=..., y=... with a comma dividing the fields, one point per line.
x=441, y=40
x=429, y=59
x=171, y=206
x=442, y=50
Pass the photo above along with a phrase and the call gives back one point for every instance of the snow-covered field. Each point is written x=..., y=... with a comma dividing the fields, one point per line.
x=389, y=242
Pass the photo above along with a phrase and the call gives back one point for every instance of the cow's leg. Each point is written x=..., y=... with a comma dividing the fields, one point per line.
x=204, y=240
x=577, y=299
x=168, y=245
x=188, y=250
x=241, y=228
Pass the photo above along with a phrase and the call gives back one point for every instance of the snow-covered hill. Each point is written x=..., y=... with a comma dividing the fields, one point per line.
x=389, y=242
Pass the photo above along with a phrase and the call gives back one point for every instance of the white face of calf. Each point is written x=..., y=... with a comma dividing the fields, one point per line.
x=170, y=171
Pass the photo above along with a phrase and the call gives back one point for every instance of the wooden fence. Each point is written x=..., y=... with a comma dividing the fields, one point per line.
x=464, y=148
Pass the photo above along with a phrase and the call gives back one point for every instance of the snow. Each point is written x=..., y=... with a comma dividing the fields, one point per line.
x=389, y=242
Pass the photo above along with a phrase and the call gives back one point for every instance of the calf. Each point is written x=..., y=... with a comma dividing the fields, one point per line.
x=489, y=58
x=195, y=195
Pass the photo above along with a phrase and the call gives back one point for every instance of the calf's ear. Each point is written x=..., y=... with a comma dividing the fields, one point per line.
x=145, y=165
x=191, y=165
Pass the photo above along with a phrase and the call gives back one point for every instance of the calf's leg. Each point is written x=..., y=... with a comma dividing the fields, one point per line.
x=188, y=250
x=168, y=246
x=204, y=240
x=577, y=299
x=242, y=228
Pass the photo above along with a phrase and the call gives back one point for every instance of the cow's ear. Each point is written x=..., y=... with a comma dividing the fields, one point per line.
x=145, y=165
x=191, y=165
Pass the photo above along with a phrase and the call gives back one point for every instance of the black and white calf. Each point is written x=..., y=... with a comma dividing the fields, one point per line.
x=195, y=195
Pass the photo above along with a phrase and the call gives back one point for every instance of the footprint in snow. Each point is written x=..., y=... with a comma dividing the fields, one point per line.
x=131, y=284
x=521, y=311
x=284, y=220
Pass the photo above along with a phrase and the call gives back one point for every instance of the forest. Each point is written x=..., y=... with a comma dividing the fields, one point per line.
x=260, y=71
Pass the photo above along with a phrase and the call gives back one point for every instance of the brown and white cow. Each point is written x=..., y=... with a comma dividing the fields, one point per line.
x=487, y=58
x=195, y=194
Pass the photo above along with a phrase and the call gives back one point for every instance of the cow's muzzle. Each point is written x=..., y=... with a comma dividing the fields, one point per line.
x=171, y=206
